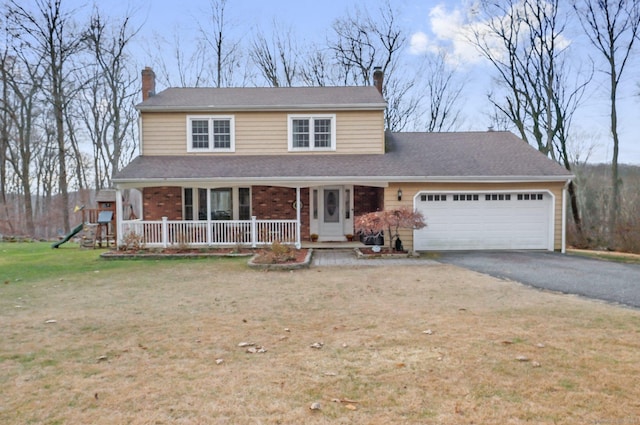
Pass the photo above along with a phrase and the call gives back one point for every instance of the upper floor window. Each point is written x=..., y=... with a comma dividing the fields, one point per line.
x=210, y=133
x=317, y=132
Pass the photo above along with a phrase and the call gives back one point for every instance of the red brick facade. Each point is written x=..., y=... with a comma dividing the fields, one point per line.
x=277, y=203
x=367, y=199
x=267, y=202
x=162, y=201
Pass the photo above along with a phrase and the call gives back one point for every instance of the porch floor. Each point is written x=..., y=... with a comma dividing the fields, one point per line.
x=332, y=245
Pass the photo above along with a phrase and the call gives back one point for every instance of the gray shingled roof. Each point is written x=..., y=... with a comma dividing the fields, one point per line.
x=410, y=157
x=264, y=98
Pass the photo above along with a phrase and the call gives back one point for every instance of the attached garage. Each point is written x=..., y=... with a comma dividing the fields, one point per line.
x=485, y=220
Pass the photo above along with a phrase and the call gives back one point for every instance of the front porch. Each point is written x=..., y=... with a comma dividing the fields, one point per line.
x=202, y=234
x=194, y=216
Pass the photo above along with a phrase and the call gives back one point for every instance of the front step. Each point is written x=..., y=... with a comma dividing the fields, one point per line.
x=332, y=245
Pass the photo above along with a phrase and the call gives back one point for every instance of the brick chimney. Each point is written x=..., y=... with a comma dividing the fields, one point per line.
x=148, y=83
x=378, y=78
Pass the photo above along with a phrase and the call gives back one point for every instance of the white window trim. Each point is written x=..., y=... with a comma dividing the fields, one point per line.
x=211, y=118
x=312, y=117
x=235, y=194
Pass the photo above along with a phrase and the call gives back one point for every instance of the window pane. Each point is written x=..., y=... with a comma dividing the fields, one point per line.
x=322, y=133
x=221, y=134
x=300, y=133
x=188, y=204
x=347, y=204
x=221, y=204
x=315, y=204
x=202, y=204
x=244, y=201
x=200, y=134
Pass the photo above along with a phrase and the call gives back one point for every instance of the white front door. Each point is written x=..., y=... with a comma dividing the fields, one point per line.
x=331, y=226
x=334, y=212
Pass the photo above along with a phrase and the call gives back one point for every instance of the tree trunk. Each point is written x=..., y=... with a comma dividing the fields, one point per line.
x=615, y=179
x=62, y=158
x=575, y=211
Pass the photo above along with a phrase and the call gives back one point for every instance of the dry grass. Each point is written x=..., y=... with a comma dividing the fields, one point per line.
x=162, y=332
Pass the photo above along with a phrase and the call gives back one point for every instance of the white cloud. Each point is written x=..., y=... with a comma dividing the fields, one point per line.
x=451, y=31
x=419, y=43
x=446, y=25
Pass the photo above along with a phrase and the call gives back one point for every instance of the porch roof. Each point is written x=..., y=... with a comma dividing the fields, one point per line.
x=468, y=156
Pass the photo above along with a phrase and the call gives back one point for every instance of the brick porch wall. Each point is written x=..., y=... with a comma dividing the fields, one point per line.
x=164, y=201
x=367, y=199
x=276, y=203
x=269, y=203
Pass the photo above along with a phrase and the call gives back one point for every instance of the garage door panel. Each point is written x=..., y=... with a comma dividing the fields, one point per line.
x=510, y=223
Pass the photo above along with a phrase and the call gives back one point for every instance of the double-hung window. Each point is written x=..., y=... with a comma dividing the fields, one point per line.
x=210, y=133
x=312, y=132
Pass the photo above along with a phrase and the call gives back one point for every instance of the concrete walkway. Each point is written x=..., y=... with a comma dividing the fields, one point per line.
x=340, y=257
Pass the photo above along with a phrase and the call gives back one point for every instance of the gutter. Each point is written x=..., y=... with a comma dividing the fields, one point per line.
x=264, y=108
x=349, y=179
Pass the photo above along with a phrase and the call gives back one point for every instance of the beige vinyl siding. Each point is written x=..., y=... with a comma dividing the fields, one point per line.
x=161, y=133
x=263, y=133
x=409, y=190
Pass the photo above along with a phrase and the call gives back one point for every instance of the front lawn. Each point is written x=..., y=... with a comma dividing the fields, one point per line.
x=158, y=342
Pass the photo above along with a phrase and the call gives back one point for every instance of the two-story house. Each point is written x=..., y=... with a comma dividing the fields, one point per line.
x=221, y=166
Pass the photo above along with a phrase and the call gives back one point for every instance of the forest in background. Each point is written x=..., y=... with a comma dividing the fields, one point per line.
x=69, y=86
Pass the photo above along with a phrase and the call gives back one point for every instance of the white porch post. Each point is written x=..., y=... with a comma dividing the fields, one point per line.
x=254, y=231
x=298, y=215
x=119, y=218
x=209, y=230
x=165, y=232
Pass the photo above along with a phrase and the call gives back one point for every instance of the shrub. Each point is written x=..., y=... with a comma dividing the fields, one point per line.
x=132, y=241
x=278, y=253
x=375, y=223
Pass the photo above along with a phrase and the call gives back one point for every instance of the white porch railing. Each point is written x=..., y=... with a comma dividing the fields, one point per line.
x=173, y=233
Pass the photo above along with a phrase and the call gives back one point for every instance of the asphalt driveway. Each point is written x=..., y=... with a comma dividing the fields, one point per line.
x=566, y=273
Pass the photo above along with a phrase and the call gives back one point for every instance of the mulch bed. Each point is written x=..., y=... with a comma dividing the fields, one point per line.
x=302, y=260
x=302, y=256
x=178, y=253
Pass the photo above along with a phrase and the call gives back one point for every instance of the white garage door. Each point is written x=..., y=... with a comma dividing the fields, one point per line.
x=470, y=221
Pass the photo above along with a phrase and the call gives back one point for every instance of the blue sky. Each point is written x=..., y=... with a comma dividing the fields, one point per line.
x=429, y=23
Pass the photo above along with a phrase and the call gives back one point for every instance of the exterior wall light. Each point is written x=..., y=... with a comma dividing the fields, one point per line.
x=399, y=194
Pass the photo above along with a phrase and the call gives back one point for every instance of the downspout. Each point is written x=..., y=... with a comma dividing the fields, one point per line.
x=563, y=249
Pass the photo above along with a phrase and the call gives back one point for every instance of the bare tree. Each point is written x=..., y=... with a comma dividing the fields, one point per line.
x=22, y=82
x=612, y=27
x=110, y=95
x=362, y=42
x=49, y=31
x=214, y=36
x=316, y=69
x=443, y=91
x=276, y=59
x=523, y=40
x=175, y=65
x=5, y=122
